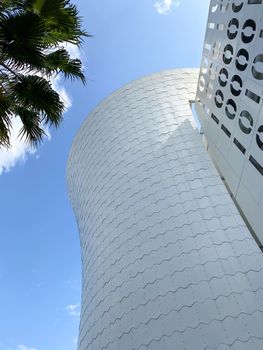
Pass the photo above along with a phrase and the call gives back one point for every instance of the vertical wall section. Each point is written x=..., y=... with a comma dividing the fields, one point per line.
x=168, y=263
x=229, y=100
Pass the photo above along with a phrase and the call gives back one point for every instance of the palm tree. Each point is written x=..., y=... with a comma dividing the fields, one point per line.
x=33, y=34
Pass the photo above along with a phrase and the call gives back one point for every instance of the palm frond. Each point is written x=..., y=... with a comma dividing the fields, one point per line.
x=4, y=134
x=62, y=20
x=6, y=104
x=5, y=118
x=11, y=5
x=37, y=93
x=31, y=52
x=21, y=40
x=31, y=130
x=59, y=61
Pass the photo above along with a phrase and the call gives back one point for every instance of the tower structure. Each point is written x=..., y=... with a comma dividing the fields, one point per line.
x=167, y=261
x=229, y=101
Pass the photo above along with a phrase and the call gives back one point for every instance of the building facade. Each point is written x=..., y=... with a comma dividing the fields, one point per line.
x=229, y=101
x=167, y=261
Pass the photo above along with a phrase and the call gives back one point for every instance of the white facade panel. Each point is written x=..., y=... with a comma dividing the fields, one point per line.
x=229, y=100
x=168, y=263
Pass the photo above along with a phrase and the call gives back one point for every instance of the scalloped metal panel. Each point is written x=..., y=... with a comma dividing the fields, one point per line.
x=168, y=263
x=229, y=100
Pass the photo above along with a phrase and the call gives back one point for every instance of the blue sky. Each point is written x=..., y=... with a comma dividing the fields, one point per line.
x=40, y=272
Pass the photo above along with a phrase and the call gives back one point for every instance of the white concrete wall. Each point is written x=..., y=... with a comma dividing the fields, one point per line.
x=229, y=100
x=168, y=263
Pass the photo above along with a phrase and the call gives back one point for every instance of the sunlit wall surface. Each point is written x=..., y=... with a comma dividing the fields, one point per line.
x=229, y=100
x=168, y=263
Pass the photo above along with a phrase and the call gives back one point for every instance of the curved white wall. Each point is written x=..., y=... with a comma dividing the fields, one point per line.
x=168, y=263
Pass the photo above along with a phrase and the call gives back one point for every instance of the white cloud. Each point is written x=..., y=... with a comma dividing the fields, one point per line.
x=24, y=347
x=73, y=309
x=19, y=151
x=58, y=86
x=73, y=51
x=163, y=7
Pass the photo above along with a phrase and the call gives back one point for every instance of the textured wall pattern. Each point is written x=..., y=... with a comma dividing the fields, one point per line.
x=229, y=99
x=168, y=263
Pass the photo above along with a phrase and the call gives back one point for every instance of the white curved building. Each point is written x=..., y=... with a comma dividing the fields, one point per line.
x=168, y=263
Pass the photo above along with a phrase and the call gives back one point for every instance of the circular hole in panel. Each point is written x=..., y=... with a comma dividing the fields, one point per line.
x=258, y=139
x=228, y=54
x=223, y=77
x=219, y=98
x=257, y=68
x=231, y=109
x=232, y=28
x=245, y=122
x=236, y=85
x=248, y=31
x=237, y=6
x=242, y=60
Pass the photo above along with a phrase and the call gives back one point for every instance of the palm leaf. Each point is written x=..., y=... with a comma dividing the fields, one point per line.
x=5, y=118
x=31, y=37
x=31, y=130
x=36, y=93
x=8, y=5
x=21, y=40
x=59, y=61
x=4, y=134
x=61, y=18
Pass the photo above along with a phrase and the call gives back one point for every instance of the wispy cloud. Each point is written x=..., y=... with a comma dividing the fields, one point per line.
x=73, y=51
x=73, y=309
x=24, y=347
x=19, y=151
x=163, y=7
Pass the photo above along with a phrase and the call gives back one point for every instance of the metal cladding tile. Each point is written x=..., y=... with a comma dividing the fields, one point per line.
x=240, y=328
x=214, y=334
x=157, y=345
x=168, y=263
x=255, y=279
x=184, y=297
x=251, y=344
x=259, y=296
x=175, y=341
x=194, y=338
x=252, y=261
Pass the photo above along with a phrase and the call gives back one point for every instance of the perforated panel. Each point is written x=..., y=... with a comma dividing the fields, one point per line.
x=229, y=100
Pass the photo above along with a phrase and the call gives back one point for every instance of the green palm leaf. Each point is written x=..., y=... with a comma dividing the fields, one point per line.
x=5, y=118
x=32, y=37
x=37, y=93
x=31, y=130
x=21, y=40
x=60, y=61
x=8, y=5
x=61, y=18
